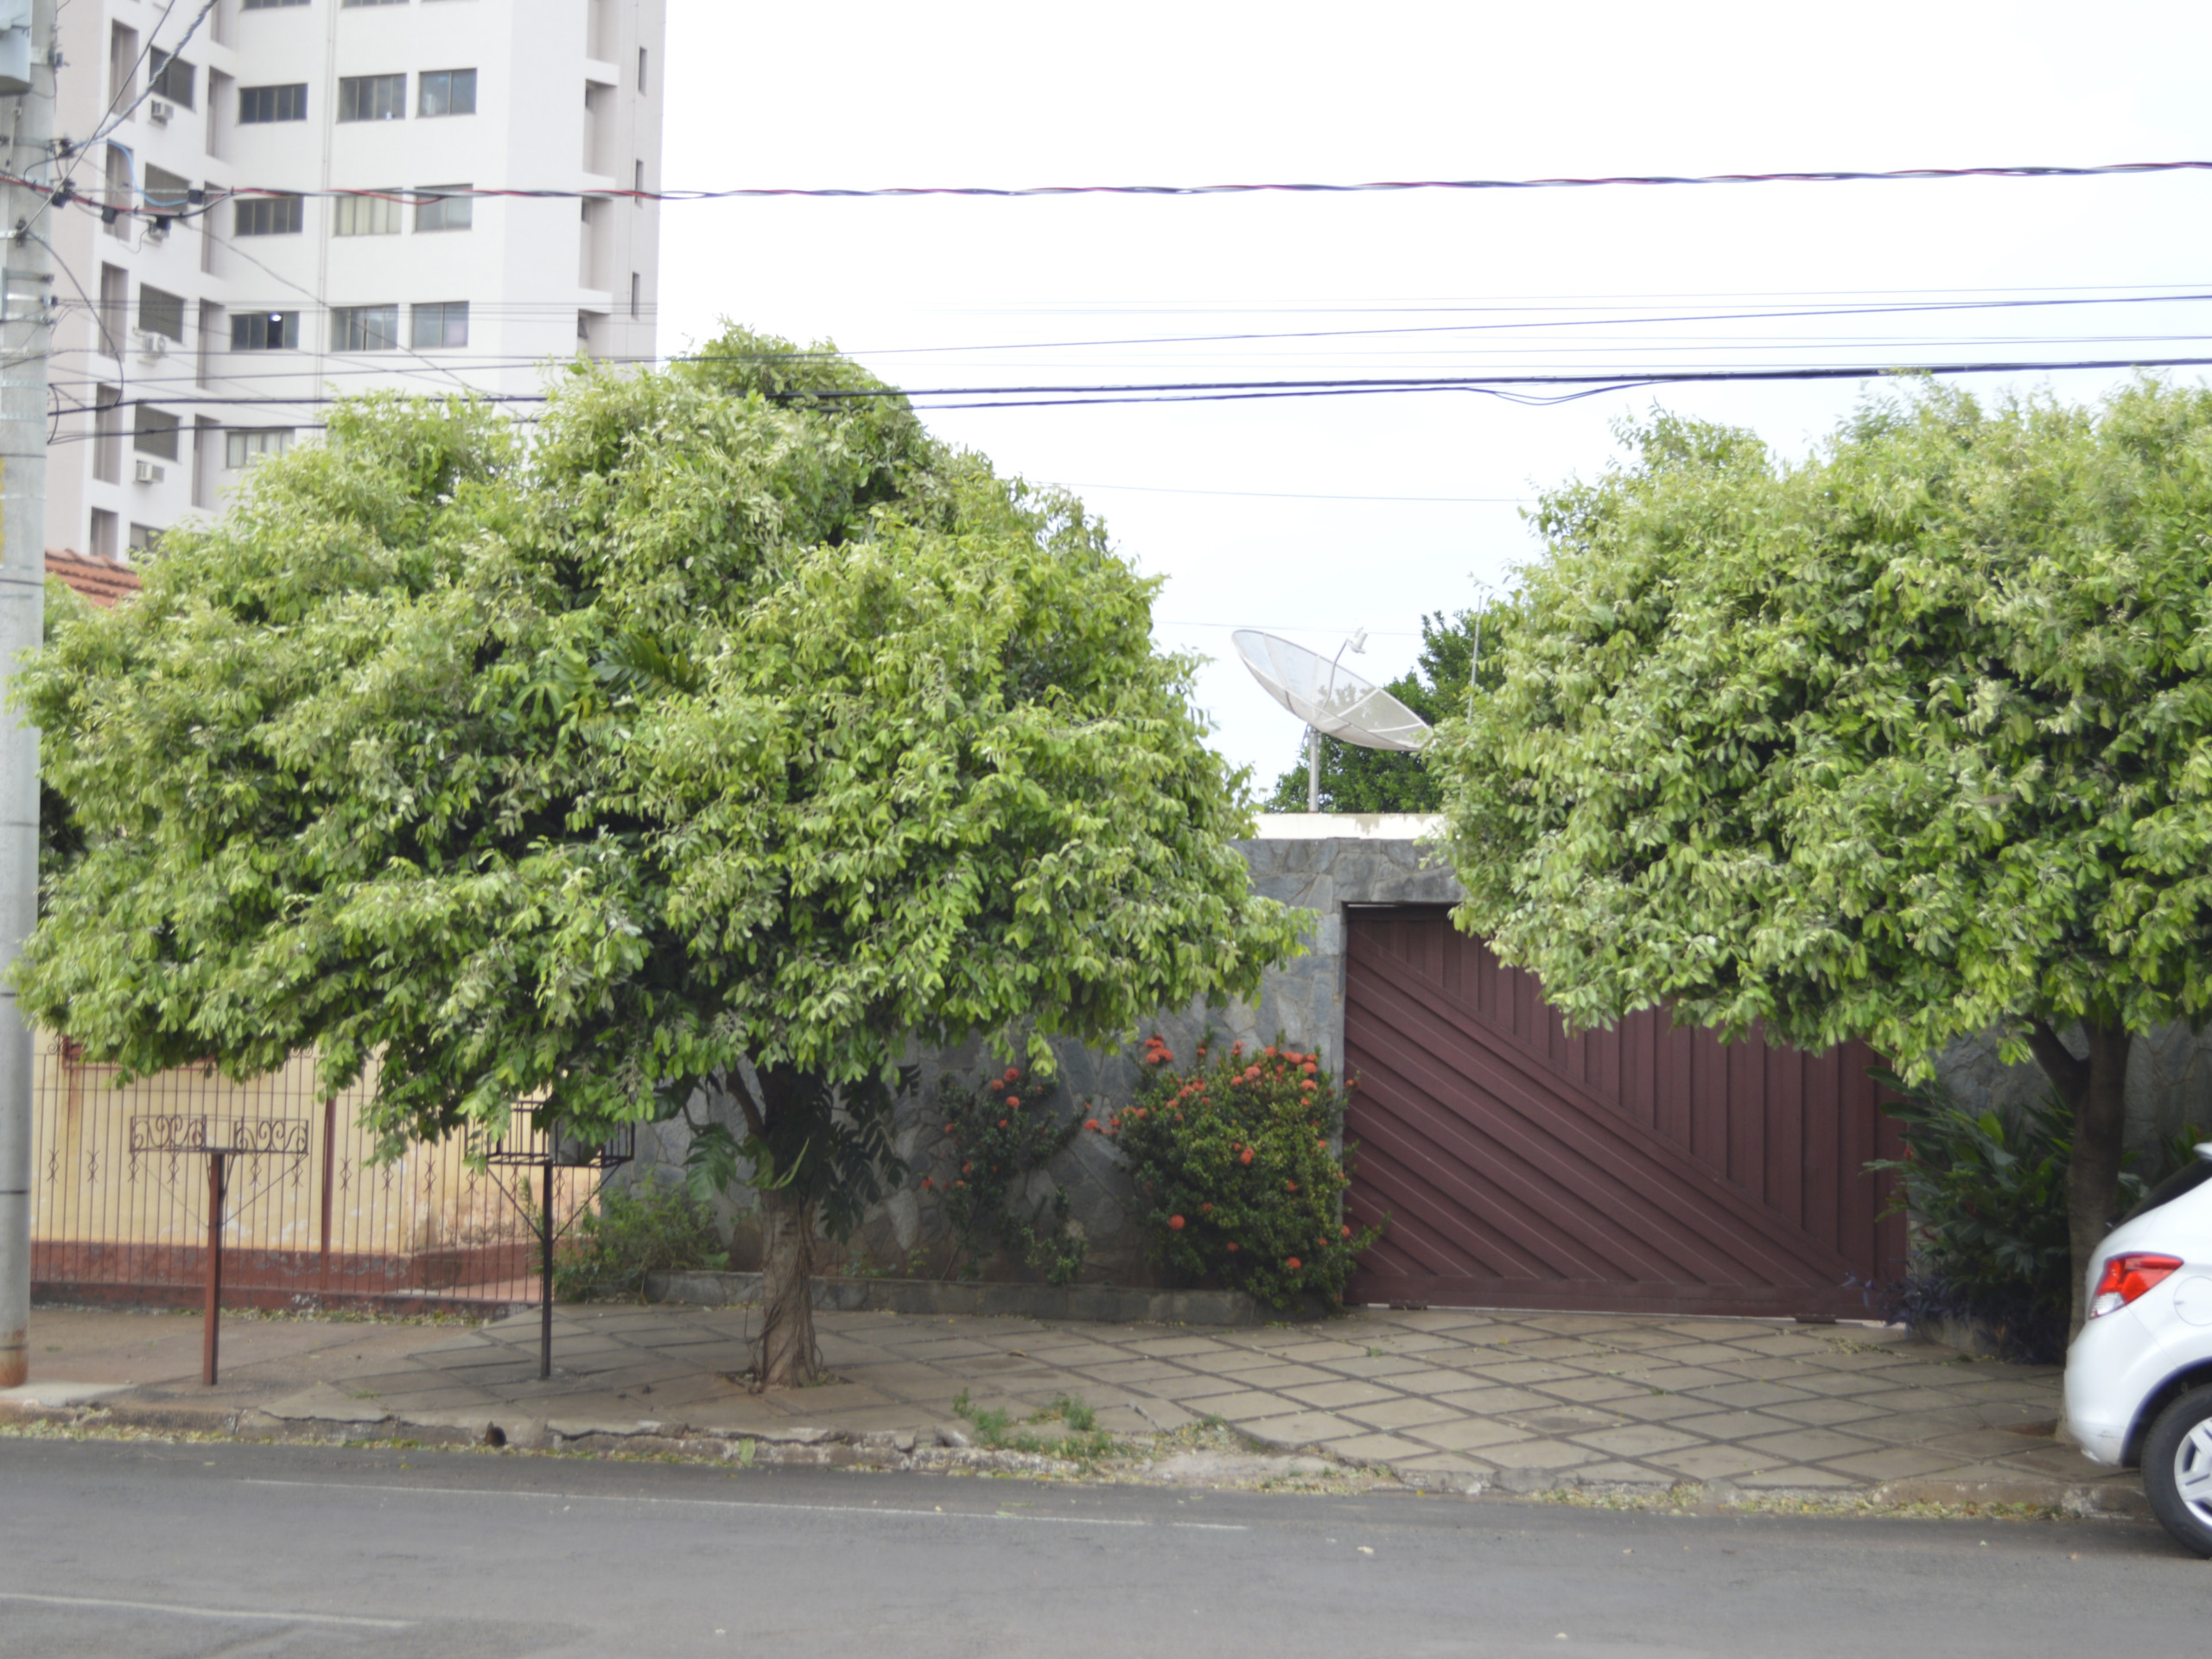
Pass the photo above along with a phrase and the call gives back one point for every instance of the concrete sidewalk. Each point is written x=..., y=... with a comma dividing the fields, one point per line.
x=1443, y=1400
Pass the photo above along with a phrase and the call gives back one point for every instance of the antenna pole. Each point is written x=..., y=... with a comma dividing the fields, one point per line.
x=1475, y=666
x=1313, y=768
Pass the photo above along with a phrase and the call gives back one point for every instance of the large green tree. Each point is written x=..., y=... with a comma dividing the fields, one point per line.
x=730, y=726
x=1906, y=742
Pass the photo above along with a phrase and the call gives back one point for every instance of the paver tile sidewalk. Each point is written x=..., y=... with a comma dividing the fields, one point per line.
x=1451, y=1397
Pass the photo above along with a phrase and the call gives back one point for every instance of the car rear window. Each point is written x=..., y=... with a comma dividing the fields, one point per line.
x=2181, y=1181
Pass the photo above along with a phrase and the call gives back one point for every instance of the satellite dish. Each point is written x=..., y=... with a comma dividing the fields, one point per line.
x=1327, y=695
x=1330, y=698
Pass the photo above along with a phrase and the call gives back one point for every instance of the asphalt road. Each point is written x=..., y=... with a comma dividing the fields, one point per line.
x=166, y=1551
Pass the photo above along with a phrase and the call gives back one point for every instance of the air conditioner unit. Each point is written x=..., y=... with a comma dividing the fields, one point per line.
x=147, y=472
x=158, y=111
x=153, y=345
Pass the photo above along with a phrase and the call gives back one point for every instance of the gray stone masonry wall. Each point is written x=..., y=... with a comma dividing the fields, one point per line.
x=1318, y=863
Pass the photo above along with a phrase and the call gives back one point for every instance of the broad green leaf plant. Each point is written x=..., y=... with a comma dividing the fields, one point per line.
x=1908, y=741
x=731, y=727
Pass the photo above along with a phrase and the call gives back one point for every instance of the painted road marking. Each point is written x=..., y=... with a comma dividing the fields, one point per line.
x=734, y=1504
x=206, y=1612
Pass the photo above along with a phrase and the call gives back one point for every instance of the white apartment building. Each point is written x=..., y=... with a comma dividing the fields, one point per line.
x=185, y=349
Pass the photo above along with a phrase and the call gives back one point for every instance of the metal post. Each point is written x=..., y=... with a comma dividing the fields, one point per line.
x=26, y=319
x=1313, y=769
x=214, y=1324
x=329, y=1167
x=545, y=1311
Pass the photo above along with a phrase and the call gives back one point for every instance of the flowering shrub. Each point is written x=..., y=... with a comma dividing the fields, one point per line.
x=997, y=1131
x=1232, y=1160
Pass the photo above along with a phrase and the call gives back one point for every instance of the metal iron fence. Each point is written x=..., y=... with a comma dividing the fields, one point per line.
x=119, y=1196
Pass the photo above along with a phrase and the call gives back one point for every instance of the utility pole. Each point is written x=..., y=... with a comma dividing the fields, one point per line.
x=26, y=101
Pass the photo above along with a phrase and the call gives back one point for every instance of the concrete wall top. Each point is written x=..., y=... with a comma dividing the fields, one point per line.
x=1347, y=826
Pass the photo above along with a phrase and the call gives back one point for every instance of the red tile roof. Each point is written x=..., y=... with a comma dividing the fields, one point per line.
x=102, y=581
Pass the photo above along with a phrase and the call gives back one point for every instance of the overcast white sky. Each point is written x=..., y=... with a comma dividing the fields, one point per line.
x=845, y=94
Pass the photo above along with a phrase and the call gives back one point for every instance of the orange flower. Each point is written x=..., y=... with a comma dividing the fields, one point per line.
x=1175, y=1223
x=1013, y=1100
x=1001, y=1122
x=948, y=1128
x=1347, y=1232
x=927, y=1183
x=1292, y=1262
x=1090, y=1123
x=1290, y=1187
x=1232, y=1248
x=1247, y=1158
x=1270, y=1051
x=964, y=1168
x=1205, y=1209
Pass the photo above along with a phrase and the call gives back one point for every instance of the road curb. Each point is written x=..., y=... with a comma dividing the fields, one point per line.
x=944, y=1449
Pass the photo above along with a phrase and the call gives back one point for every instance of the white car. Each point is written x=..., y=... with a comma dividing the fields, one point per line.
x=2139, y=1377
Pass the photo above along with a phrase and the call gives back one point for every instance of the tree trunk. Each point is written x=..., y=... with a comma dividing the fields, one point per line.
x=786, y=1356
x=2096, y=1087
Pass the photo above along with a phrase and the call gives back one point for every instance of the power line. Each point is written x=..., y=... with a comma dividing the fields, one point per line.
x=207, y=200
x=1501, y=385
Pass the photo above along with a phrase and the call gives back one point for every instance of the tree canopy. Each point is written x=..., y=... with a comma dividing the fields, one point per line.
x=1355, y=779
x=731, y=719
x=1906, y=741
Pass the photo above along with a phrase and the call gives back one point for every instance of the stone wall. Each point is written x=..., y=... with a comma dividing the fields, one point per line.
x=1317, y=862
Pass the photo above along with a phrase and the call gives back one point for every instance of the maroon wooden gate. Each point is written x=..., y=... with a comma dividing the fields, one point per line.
x=1648, y=1168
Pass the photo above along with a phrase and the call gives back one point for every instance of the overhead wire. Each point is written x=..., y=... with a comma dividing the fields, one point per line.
x=1836, y=175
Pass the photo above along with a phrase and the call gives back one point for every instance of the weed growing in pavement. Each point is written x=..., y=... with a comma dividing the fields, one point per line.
x=1084, y=1441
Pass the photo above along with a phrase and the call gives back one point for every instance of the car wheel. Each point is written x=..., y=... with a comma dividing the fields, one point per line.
x=2178, y=1469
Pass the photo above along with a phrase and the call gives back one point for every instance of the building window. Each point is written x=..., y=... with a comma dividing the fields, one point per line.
x=365, y=329
x=241, y=448
x=268, y=216
x=107, y=434
x=103, y=536
x=437, y=212
x=270, y=6
x=121, y=66
x=161, y=311
x=344, y=3
x=373, y=98
x=641, y=68
x=265, y=331
x=366, y=215
x=637, y=184
x=272, y=103
x=115, y=300
x=440, y=325
x=145, y=538
x=153, y=432
x=449, y=91
x=173, y=79
x=165, y=192
x=119, y=192
x=637, y=292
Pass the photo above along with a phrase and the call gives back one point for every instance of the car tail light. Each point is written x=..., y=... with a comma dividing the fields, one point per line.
x=2127, y=1276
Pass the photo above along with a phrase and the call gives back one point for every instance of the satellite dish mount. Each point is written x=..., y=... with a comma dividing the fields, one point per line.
x=1330, y=698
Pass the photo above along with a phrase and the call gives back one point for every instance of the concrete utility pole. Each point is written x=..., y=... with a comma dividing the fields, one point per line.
x=27, y=70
